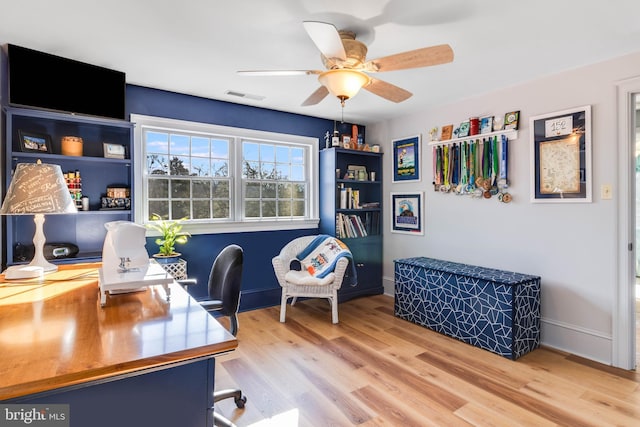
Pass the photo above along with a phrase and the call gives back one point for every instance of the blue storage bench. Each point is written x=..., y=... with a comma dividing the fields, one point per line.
x=492, y=309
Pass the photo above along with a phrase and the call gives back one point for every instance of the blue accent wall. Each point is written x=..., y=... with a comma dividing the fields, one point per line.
x=259, y=284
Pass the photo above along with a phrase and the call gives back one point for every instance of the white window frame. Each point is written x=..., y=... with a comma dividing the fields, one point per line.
x=237, y=135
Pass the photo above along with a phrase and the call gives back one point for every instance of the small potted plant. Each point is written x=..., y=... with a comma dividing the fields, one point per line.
x=170, y=234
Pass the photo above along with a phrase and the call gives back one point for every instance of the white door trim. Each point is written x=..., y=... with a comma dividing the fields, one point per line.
x=624, y=337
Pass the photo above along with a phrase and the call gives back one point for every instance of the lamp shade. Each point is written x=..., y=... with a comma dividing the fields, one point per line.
x=344, y=83
x=37, y=188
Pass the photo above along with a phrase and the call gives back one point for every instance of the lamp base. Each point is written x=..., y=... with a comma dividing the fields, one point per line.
x=23, y=272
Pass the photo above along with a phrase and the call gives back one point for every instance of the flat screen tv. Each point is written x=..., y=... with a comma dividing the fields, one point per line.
x=41, y=80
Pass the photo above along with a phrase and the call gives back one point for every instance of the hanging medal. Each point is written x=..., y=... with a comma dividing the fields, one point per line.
x=479, y=190
x=434, y=166
x=503, y=182
x=445, y=169
x=438, y=169
x=471, y=167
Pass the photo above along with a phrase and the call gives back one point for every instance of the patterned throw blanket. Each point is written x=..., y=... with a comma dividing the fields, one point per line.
x=320, y=256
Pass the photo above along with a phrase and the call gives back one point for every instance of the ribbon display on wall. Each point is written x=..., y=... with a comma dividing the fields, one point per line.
x=477, y=167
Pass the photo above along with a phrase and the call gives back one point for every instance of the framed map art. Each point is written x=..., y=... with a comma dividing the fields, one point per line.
x=561, y=156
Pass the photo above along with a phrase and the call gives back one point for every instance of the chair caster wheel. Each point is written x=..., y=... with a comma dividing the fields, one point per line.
x=240, y=402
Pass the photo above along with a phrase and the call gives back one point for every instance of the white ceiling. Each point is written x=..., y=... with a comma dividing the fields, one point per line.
x=196, y=46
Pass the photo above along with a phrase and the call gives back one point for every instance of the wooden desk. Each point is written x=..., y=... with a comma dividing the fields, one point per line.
x=58, y=345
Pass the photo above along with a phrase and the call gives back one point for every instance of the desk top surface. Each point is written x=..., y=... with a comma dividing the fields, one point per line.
x=54, y=333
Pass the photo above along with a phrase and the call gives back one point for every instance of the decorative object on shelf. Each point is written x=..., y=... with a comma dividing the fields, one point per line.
x=116, y=198
x=433, y=134
x=36, y=189
x=171, y=234
x=447, y=132
x=463, y=130
x=561, y=156
x=335, y=139
x=74, y=184
x=511, y=120
x=375, y=148
x=498, y=123
x=34, y=142
x=116, y=203
x=359, y=172
x=486, y=124
x=407, y=213
x=113, y=151
x=71, y=146
x=474, y=126
x=406, y=159
x=118, y=192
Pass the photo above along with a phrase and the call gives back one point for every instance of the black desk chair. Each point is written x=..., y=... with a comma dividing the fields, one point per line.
x=224, y=298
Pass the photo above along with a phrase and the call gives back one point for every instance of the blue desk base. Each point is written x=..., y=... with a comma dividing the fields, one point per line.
x=181, y=395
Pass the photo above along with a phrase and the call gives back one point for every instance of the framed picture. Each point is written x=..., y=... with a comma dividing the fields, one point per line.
x=113, y=151
x=407, y=212
x=511, y=120
x=447, y=131
x=486, y=124
x=34, y=142
x=406, y=159
x=463, y=130
x=561, y=156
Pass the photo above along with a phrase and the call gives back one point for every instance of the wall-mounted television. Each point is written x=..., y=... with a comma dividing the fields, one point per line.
x=42, y=80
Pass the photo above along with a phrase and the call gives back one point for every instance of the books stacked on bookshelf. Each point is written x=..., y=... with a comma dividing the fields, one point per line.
x=352, y=226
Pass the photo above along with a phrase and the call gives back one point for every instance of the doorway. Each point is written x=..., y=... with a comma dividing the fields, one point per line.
x=624, y=348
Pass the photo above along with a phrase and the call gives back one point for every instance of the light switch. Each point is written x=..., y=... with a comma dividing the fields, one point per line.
x=606, y=192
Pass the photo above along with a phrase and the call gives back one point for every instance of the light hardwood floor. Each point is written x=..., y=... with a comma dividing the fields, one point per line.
x=373, y=369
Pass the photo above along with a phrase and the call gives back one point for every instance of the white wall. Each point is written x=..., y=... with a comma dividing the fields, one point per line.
x=572, y=246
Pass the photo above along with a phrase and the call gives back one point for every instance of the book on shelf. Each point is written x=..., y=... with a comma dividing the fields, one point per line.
x=355, y=199
x=369, y=205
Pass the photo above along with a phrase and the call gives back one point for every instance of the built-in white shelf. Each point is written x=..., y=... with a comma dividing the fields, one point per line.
x=509, y=133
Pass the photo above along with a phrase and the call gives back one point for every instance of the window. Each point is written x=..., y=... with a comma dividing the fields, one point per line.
x=223, y=178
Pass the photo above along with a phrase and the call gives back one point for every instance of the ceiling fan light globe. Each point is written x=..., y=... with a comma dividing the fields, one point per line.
x=344, y=83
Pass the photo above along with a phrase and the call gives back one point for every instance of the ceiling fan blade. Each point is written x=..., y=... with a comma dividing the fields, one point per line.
x=424, y=57
x=316, y=96
x=278, y=72
x=387, y=90
x=326, y=38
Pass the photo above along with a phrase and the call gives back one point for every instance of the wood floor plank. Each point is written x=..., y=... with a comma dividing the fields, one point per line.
x=400, y=413
x=375, y=370
x=479, y=415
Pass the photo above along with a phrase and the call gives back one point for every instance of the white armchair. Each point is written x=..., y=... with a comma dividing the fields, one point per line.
x=305, y=285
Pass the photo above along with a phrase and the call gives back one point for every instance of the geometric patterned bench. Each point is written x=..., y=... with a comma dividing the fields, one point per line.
x=492, y=309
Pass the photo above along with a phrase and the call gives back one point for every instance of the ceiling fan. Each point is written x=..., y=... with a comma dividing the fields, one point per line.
x=347, y=68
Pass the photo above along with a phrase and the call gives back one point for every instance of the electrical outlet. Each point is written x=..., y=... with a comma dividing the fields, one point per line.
x=606, y=192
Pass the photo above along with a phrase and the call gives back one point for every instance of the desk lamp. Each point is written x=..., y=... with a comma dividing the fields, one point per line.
x=36, y=189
